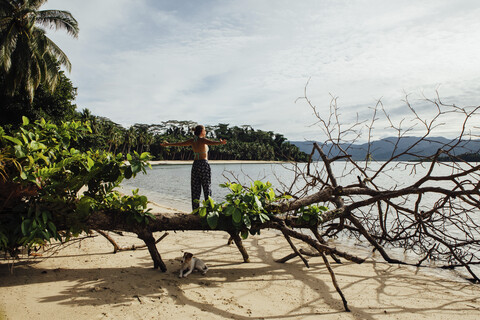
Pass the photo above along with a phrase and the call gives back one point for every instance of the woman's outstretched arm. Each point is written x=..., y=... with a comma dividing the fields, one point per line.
x=214, y=143
x=177, y=144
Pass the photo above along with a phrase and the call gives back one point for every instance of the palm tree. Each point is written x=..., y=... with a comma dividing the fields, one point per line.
x=145, y=138
x=130, y=139
x=27, y=56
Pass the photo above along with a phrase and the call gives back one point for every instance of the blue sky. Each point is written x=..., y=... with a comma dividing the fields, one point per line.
x=246, y=62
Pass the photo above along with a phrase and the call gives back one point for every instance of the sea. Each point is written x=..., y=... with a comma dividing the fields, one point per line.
x=169, y=185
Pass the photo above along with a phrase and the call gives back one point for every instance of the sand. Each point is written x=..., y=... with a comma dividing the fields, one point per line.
x=85, y=280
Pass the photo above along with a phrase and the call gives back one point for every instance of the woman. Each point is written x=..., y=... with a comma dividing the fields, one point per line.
x=201, y=173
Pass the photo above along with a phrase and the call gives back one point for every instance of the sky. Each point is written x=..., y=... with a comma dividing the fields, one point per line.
x=246, y=62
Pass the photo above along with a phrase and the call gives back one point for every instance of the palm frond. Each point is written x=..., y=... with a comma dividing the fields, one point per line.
x=28, y=57
x=7, y=47
x=58, y=53
x=58, y=19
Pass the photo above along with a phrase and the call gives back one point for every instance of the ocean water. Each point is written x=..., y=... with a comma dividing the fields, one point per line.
x=170, y=185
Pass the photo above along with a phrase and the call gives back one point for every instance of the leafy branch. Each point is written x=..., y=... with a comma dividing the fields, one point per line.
x=42, y=176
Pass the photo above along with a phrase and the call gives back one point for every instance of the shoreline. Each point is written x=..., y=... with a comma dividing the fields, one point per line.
x=182, y=162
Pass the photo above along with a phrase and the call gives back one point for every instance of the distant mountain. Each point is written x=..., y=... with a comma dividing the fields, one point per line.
x=384, y=149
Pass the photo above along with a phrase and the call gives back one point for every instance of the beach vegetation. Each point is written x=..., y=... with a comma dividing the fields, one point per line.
x=48, y=188
x=55, y=106
x=244, y=208
x=28, y=57
x=244, y=142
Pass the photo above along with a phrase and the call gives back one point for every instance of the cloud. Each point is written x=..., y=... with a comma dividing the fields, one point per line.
x=245, y=62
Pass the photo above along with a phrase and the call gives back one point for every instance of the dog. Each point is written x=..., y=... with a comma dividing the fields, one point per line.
x=189, y=263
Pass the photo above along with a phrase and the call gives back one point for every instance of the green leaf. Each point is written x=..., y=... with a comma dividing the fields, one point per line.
x=259, y=184
x=90, y=163
x=136, y=168
x=261, y=218
x=129, y=157
x=264, y=217
x=228, y=211
x=235, y=187
x=212, y=219
x=271, y=194
x=42, y=156
x=25, y=120
x=24, y=226
x=84, y=206
x=14, y=140
x=46, y=234
x=211, y=202
x=44, y=217
x=19, y=152
x=52, y=227
x=237, y=215
x=202, y=212
x=244, y=234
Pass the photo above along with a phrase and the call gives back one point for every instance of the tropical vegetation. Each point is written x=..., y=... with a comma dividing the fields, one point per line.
x=41, y=176
x=28, y=57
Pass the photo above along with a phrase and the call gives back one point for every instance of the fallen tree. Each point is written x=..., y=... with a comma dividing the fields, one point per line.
x=42, y=176
x=432, y=214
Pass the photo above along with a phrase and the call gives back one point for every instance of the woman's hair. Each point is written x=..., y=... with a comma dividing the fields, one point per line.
x=198, y=130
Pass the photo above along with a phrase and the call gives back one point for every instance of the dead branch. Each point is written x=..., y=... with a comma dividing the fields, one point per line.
x=117, y=248
x=420, y=202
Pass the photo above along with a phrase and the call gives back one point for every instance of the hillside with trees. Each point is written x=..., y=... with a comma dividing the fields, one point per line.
x=404, y=148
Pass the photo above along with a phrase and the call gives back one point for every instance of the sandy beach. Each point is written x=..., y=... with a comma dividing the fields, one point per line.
x=86, y=280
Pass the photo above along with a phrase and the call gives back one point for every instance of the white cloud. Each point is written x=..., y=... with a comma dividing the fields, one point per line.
x=245, y=62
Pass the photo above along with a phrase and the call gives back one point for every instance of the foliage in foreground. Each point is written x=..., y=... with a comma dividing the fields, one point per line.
x=247, y=208
x=41, y=179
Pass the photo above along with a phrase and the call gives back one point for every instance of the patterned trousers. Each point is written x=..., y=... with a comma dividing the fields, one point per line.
x=201, y=178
